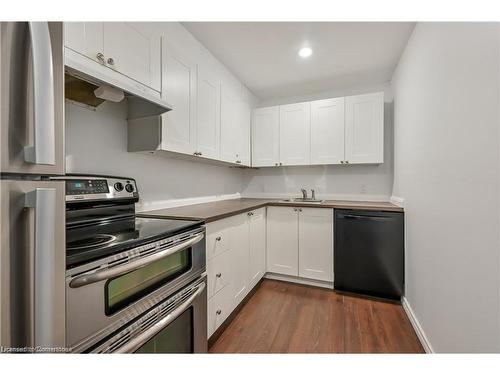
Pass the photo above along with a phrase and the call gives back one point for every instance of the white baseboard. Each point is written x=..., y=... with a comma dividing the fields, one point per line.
x=398, y=201
x=298, y=280
x=341, y=197
x=417, y=327
x=169, y=203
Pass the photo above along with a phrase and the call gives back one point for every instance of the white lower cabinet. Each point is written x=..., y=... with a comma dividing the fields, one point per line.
x=236, y=249
x=316, y=243
x=300, y=242
x=282, y=240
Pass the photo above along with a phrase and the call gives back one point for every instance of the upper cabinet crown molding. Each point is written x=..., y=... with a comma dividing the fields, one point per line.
x=345, y=130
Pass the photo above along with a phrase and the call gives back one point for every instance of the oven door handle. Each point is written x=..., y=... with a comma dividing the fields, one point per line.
x=145, y=336
x=99, y=275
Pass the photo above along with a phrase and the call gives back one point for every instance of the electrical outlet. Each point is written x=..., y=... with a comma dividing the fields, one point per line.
x=363, y=189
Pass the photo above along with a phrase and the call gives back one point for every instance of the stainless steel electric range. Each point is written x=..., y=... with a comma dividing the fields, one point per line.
x=132, y=284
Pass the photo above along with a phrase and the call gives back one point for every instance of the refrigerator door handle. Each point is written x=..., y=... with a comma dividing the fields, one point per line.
x=43, y=201
x=43, y=151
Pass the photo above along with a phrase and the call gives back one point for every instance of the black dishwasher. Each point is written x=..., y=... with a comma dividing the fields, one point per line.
x=369, y=252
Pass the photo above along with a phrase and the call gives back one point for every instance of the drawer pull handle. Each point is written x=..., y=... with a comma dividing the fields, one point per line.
x=218, y=275
x=218, y=238
x=218, y=312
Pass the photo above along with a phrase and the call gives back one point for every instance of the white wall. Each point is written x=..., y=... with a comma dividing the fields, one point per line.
x=364, y=182
x=446, y=118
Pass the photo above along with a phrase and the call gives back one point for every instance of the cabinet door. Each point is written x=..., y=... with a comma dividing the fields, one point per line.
x=364, y=127
x=316, y=243
x=243, y=152
x=208, y=116
x=85, y=38
x=282, y=240
x=229, y=123
x=265, y=137
x=240, y=251
x=295, y=134
x=179, y=89
x=219, y=307
x=134, y=53
x=327, y=131
x=257, y=223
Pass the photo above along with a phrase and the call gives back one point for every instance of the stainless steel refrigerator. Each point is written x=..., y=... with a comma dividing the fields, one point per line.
x=32, y=257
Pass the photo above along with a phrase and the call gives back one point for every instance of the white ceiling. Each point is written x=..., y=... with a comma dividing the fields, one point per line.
x=264, y=54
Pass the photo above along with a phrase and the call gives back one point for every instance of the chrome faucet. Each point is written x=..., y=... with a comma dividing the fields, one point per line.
x=313, y=195
x=304, y=193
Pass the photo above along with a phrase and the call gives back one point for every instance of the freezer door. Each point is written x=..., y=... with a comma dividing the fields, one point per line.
x=32, y=98
x=32, y=264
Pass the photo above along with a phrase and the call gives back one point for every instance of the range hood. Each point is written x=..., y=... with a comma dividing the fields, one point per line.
x=81, y=89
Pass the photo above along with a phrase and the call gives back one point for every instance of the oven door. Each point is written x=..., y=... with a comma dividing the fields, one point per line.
x=103, y=295
x=176, y=325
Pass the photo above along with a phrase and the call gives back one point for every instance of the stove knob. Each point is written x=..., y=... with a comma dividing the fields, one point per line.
x=118, y=186
x=129, y=188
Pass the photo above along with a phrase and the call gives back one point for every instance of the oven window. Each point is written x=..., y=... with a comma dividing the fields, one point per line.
x=177, y=337
x=132, y=286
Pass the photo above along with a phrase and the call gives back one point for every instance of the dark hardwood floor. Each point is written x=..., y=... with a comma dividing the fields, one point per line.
x=289, y=318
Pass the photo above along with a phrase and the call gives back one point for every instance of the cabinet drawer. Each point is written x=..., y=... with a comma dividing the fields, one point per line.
x=219, y=237
x=219, y=308
x=219, y=272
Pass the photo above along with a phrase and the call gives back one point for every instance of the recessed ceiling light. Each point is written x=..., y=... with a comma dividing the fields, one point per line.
x=305, y=52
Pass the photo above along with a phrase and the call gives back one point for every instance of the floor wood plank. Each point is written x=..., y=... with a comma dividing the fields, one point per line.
x=290, y=318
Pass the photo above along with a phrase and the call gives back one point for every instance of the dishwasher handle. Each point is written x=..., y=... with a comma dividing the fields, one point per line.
x=364, y=217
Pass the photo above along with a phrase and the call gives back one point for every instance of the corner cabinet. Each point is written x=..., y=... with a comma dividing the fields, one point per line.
x=266, y=137
x=300, y=242
x=119, y=47
x=345, y=130
x=234, y=125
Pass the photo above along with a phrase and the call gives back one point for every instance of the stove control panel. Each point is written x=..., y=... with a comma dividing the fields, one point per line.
x=93, y=188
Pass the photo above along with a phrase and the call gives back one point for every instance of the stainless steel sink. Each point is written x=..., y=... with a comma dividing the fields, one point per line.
x=302, y=201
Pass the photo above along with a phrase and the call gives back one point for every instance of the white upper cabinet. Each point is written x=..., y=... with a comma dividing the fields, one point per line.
x=265, y=137
x=85, y=38
x=282, y=240
x=243, y=153
x=208, y=115
x=316, y=243
x=120, y=46
x=132, y=52
x=327, y=131
x=234, y=125
x=179, y=84
x=229, y=119
x=295, y=134
x=364, y=128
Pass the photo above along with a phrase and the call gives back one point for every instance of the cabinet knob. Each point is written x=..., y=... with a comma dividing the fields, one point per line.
x=295, y=209
x=100, y=57
x=218, y=275
x=218, y=238
x=111, y=61
x=341, y=162
x=276, y=164
x=238, y=161
x=300, y=209
x=218, y=312
x=347, y=161
x=281, y=163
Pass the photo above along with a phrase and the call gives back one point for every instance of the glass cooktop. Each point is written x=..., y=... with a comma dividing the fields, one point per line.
x=89, y=242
